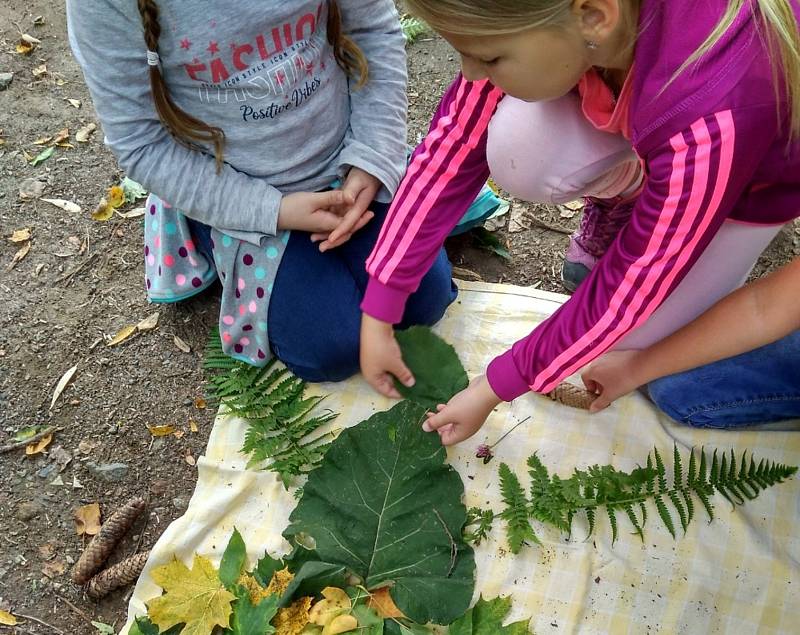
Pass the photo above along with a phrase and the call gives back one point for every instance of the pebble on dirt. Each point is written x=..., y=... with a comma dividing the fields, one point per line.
x=28, y=511
x=5, y=80
x=110, y=472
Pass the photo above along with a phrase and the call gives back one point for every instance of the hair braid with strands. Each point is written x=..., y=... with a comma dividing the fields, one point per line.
x=191, y=131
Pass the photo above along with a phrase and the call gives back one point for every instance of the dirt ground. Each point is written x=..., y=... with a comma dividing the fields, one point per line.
x=81, y=281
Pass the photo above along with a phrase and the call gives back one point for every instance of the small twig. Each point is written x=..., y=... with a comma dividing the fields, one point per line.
x=21, y=444
x=453, y=545
x=70, y=274
x=550, y=226
x=39, y=621
x=80, y=612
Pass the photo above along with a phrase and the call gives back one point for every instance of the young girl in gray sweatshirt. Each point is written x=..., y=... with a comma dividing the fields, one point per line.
x=272, y=136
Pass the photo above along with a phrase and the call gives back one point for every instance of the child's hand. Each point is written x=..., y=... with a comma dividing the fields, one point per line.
x=381, y=358
x=464, y=414
x=312, y=211
x=362, y=187
x=612, y=376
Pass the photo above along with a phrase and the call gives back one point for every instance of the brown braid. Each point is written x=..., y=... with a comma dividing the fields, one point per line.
x=348, y=56
x=187, y=129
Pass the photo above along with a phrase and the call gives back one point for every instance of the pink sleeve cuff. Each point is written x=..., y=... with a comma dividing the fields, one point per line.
x=505, y=379
x=384, y=303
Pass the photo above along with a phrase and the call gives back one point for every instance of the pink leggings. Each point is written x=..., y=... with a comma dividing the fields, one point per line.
x=548, y=152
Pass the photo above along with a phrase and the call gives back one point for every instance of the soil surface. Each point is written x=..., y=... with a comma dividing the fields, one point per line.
x=82, y=281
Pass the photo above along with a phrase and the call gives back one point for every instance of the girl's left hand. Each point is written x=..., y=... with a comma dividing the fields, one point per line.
x=464, y=414
x=363, y=187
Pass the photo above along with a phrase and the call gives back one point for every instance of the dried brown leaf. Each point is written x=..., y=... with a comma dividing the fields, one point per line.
x=39, y=446
x=87, y=520
x=122, y=335
x=21, y=235
x=149, y=323
x=20, y=255
x=182, y=346
x=67, y=206
x=62, y=384
x=82, y=136
x=161, y=431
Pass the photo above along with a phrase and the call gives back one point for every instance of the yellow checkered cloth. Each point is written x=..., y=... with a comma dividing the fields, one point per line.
x=739, y=574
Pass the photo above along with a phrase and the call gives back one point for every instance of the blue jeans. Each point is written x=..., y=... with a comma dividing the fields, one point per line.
x=315, y=316
x=761, y=386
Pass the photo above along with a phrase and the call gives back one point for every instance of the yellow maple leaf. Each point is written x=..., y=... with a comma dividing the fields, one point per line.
x=254, y=589
x=294, y=618
x=195, y=598
x=116, y=196
x=280, y=582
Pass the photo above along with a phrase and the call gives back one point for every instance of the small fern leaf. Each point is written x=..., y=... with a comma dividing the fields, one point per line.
x=677, y=482
x=634, y=521
x=650, y=484
x=518, y=527
x=676, y=501
x=713, y=476
x=702, y=470
x=590, y=516
x=664, y=514
x=661, y=471
x=703, y=496
x=687, y=497
x=691, y=475
x=612, y=518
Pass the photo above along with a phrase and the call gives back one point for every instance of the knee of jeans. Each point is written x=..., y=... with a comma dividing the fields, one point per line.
x=668, y=394
x=320, y=359
x=436, y=292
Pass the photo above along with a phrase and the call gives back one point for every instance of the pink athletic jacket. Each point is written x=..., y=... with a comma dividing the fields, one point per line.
x=716, y=146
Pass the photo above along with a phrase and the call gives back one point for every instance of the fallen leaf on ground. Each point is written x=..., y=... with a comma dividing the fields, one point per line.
x=67, y=206
x=39, y=446
x=21, y=235
x=42, y=141
x=42, y=156
x=183, y=346
x=20, y=255
x=133, y=190
x=134, y=213
x=200, y=403
x=76, y=484
x=103, y=211
x=178, y=434
x=54, y=569
x=6, y=619
x=87, y=520
x=86, y=446
x=103, y=629
x=115, y=196
x=466, y=274
x=40, y=70
x=47, y=550
x=26, y=433
x=27, y=44
x=82, y=136
x=190, y=459
x=75, y=103
x=193, y=425
x=61, y=136
x=31, y=188
x=61, y=457
x=149, y=323
x=122, y=335
x=62, y=384
x=57, y=481
x=161, y=431
x=38, y=269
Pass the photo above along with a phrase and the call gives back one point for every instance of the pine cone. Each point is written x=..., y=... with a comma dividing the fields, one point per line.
x=107, y=538
x=120, y=575
x=572, y=396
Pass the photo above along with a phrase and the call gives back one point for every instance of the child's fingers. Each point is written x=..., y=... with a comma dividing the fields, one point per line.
x=332, y=243
x=385, y=386
x=601, y=403
x=450, y=435
x=439, y=420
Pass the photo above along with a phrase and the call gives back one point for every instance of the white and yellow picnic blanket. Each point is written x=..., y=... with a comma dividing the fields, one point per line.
x=739, y=574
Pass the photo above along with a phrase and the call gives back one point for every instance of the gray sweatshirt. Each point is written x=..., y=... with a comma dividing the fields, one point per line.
x=264, y=73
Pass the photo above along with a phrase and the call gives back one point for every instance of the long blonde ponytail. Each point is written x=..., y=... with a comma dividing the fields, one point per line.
x=783, y=42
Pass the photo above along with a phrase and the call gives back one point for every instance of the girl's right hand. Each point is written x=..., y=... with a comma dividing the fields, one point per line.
x=313, y=212
x=381, y=358
x=612, y=376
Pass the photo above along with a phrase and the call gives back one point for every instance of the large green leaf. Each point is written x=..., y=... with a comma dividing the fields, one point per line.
x=312, y=578
x=249, y=618
x=384, y=504
x=435, y=364
x=486, y=618
x=232, y=560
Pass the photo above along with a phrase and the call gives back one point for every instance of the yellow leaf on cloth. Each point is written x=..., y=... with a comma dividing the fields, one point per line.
x=383, y=604
x=6, y=619
x=87, y=520
x=195, y=598
x=39, y=446
x=294, y=618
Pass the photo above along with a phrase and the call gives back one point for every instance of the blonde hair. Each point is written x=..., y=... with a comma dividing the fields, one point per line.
x=191, y=131
x=504, y=17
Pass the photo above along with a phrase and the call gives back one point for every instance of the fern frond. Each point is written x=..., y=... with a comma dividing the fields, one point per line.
x=282, y=432
x=555, y=501
x=413, y=28
x=518, y=527
x=482, y=521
